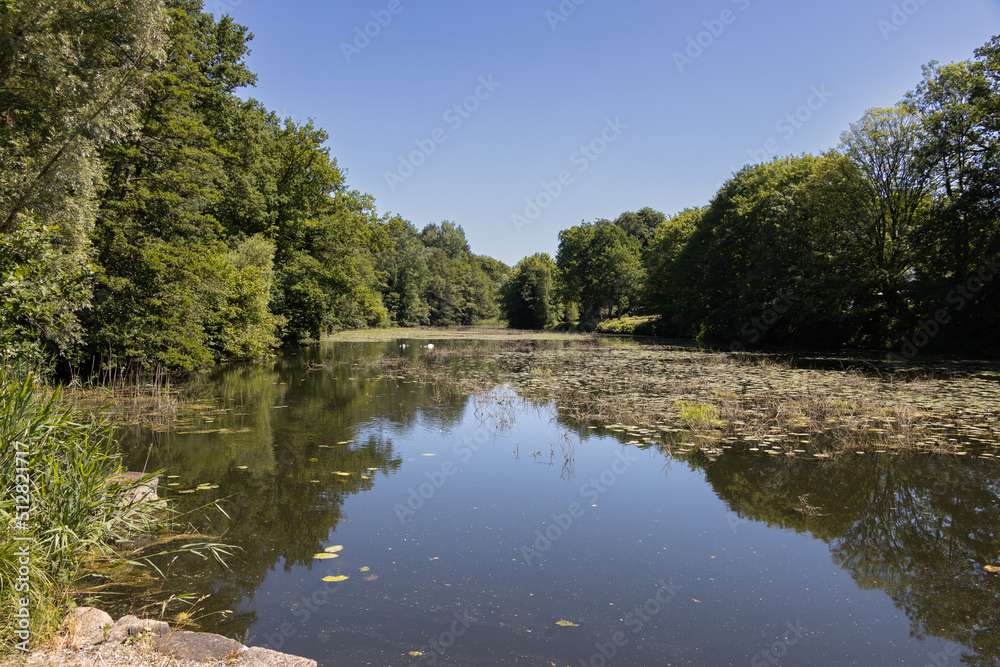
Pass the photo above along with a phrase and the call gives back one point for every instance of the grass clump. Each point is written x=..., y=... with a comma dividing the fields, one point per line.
x=71, y=506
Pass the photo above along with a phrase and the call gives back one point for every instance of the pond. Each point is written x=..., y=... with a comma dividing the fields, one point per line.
x=482, y=528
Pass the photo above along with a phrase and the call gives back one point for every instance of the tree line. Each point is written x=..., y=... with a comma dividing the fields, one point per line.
x=889, y=241
x=150, y=216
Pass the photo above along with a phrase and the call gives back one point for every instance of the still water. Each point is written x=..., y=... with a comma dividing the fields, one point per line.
x=487, y=532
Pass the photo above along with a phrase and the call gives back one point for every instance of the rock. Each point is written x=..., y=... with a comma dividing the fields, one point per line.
x=131, y=626
x=85, y=626
x=197, y=646
x=257, y=656
x=145, y=491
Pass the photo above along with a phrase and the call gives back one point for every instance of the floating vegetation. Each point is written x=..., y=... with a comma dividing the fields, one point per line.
x=992, y=568
x=370, y=577
x=342, y=577
x=567, y=624
x=325, y=556
x=705, y=401
x=334, y=549
x=364, y=569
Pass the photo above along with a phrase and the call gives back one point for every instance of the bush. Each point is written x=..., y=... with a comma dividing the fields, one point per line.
x=630, y=326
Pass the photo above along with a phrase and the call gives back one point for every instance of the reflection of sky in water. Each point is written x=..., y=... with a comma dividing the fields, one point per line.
x=494, y=539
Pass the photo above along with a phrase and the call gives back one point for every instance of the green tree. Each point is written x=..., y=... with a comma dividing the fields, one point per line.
x=889, y=188
x=641, y=225
x=71, y=78
x=527, y=297
x=161, y=255
x=600, y=269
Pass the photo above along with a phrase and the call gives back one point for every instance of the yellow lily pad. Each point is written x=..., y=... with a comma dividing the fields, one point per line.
x=365, y=569
x=334, y=549
x=567, y=624
x=340, y=578
x=325, y=556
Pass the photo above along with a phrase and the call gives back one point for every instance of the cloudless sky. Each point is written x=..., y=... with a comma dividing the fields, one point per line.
x=672, y=132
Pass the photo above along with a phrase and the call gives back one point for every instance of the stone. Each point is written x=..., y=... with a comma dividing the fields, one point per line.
x=132, y=626
x=85, y=626
x=197, y=646
x=257, y=656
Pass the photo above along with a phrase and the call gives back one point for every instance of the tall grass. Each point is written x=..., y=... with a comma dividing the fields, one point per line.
x=80, y=505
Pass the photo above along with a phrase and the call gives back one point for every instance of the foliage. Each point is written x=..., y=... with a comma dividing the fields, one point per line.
x=527, y=297
x=432, y=277
x=599, y=269
x=80, y=505
x=151, y=218
x=630, y=326
x=861, y=247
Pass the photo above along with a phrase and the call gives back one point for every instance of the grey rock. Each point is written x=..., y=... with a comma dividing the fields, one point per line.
x=86, y=626
x=131, y=626
x=197, y=646
x=257, y=656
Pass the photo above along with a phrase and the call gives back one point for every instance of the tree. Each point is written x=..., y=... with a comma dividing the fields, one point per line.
x=660, y=293
x=71, y=78
x=161, y=253
x=890, y=189
x=641, y=225
x=599, y=268
x=527, y=296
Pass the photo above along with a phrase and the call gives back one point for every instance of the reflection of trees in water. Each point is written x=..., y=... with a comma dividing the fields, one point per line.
x=284, y=507
x=919, y=528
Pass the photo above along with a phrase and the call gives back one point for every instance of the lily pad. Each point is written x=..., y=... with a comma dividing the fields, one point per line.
x=342, y=577
x=325, y=556
x=567, y=624
x=334, y=549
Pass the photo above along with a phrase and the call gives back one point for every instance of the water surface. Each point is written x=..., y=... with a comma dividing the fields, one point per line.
x=472, y=527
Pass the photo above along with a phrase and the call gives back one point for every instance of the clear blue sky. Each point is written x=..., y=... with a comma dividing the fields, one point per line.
x=676, y=132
